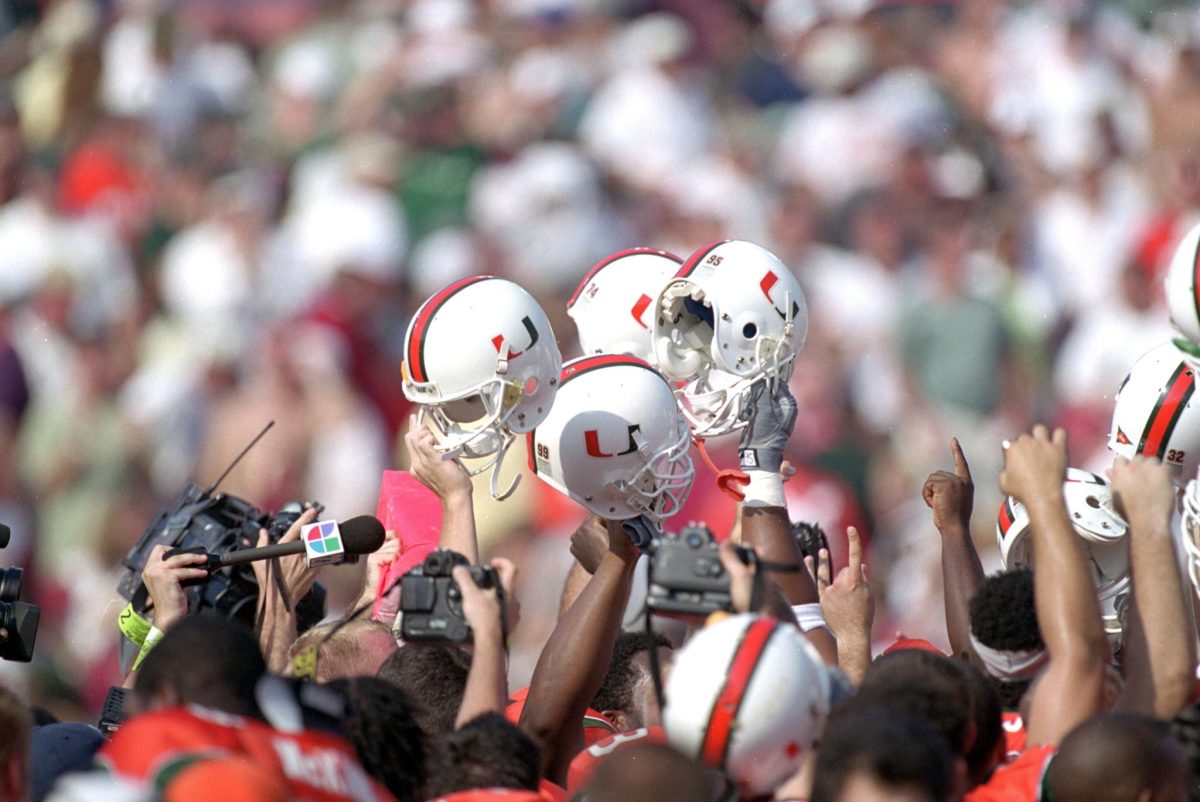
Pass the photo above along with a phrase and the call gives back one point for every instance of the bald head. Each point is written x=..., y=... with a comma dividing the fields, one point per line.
x=1119, y=757
x=649, y=773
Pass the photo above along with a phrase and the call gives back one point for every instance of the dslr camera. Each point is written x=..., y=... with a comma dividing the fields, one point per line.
x=431, y=600
x=18, y=619
x=686, y=575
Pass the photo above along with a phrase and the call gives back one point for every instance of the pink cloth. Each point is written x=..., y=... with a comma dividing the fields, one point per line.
x=414, y=513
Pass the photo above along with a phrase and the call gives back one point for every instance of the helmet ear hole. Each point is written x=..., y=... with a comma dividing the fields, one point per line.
x=749, y=331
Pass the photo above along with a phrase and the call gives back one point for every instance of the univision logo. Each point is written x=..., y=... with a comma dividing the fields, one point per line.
x=323, y=538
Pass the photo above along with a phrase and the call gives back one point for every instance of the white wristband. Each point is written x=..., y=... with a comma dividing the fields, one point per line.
x=765, y=490
x=808, y=616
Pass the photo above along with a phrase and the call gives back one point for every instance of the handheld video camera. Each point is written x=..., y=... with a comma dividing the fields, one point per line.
x=216, y=524
x=18, y=619
x=686, y=575
x=431, y=601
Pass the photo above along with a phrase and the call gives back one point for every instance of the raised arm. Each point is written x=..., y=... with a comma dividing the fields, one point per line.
x=951, y=497
x=450, y=482
x=1070, y=688
x=765, y=523
x=487, y=681
x=575, y=659
x=849, y=608
x=1160, y=650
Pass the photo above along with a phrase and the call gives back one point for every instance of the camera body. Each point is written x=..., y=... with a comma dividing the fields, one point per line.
x=431, y=600
x=686, y=575
x=217, y=524
x=19, y=619
x=810, y=537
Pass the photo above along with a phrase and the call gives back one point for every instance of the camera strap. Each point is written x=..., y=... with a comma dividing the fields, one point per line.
x=277, y=579
x=655, y=666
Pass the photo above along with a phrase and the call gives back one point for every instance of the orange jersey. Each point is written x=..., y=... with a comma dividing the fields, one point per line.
x=317, y=767
x=1014, y=734
x=584, y=764
x=595, y=726
x=492, y=795
x=1018, y=781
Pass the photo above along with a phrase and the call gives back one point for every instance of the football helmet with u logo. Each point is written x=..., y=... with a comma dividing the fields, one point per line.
x=613, y=305
x=748, y=696
x=1182, y=285
x=1090, y=507
x=733, y=315
x=1156, y=413
x=482, y=363
x=615, y=440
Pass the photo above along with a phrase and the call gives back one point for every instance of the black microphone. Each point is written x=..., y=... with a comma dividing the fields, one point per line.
x=360, y=535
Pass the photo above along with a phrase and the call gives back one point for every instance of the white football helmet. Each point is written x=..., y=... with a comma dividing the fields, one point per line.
x=1156, y=413
x=1182, y=287
x=612, y=305
x=481, y=361
x=749, y=696
x=615, y=440
x=732, y=315
x=1090, y=507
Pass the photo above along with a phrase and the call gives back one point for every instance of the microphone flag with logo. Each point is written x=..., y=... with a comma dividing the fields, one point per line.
x=322, y=543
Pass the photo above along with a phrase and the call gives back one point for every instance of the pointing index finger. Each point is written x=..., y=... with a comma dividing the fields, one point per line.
x=961, y=469
x=854, y=543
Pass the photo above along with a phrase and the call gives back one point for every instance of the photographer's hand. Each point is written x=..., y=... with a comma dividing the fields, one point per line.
x=487, y=681
x=451, y=483
x=297, y=577
x=742, y=579
x=163, y=580
x=377, y=564
x=277, y=622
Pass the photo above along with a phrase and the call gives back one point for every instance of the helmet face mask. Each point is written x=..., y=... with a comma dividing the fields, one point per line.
x=733, y=315
x=1190, y=521
x=482, y=363
x=615, y=441
x=1156, y=413
x=1094, y=518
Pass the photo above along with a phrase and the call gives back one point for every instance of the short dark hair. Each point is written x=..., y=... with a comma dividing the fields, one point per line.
x=616, y=692
x=390, y=745
x=1004, y=616
x=924, y=684
x=1115, y=756
x=1003, y=613
x=1186, y=729
x=487, y=752
x=435, y=677
x=897, y=749
x=988, y=719
x=206, y=660
x=648, y=772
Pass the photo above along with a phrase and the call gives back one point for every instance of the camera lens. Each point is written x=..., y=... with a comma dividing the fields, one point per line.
x=10, y=584
x=8, y=618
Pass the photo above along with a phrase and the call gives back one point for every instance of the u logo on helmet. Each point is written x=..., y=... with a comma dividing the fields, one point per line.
x=591, y=439
x=498, y=340
x=639, y=309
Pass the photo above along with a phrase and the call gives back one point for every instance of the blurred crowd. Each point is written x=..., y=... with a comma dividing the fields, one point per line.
x=217, y=213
